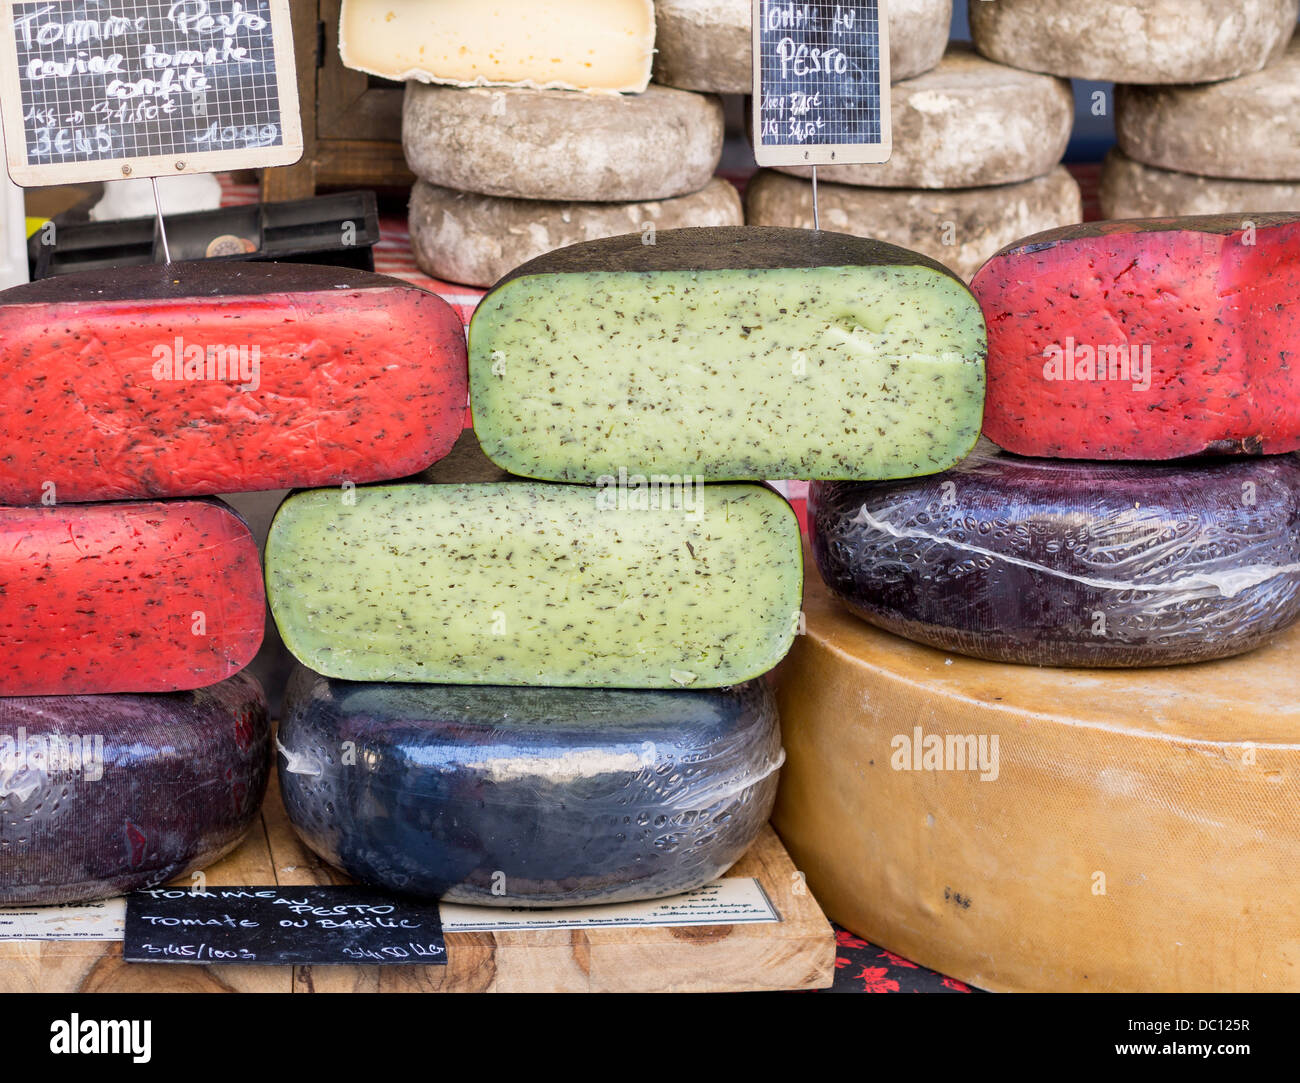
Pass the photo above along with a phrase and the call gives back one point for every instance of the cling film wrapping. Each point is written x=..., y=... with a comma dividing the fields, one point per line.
x=1070, y=563
x=528, y=796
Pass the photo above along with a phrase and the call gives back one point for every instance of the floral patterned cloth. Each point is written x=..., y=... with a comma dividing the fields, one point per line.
x=861, y=967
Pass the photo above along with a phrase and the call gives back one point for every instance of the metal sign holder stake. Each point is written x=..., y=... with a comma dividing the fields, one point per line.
x=162, y=226
x=817, y=218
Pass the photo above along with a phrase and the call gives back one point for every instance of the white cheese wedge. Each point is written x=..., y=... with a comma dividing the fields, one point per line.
x=556, y=44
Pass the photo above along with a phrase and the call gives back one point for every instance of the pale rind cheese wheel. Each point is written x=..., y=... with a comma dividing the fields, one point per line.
x=1137, y=831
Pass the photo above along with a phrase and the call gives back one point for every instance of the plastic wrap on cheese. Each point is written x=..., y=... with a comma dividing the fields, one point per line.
x=101, y=795
x=528, y=796
x=1070, y=563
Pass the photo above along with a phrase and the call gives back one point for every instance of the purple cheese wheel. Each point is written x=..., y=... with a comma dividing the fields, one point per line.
x=1060, y=563
x=101, y=795
x=524, y=796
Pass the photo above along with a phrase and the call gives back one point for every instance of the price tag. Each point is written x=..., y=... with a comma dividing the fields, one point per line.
x=113, y=89
x=821, y=83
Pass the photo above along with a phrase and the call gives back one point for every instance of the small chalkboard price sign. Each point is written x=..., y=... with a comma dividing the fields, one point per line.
x=115, y=89
x=298, y=926
x=821, y=83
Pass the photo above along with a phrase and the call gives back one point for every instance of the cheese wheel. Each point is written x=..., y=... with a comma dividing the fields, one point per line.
x=709, y=44
x=1135, y=41
x=102, y=795
x=1130, y=831
x=1243, y=128
x=206, y=378
x=968, y=123
x=463, y=237
x=570, y=44
x=555, y=145
x=960, y=228
x=1148, y=339
x=639, y=583
x=728, y=354
x=528, y=796
x=131, y=597
x=1070, y=563
x=1130, y=189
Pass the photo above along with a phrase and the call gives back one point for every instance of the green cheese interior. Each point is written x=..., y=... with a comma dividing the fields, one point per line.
x=526, y=583
x=836, y=373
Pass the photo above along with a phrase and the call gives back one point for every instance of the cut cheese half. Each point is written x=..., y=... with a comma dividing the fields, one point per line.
x=1136, y=831
x=130, y=597
x=103, y=795
x=728, y=354
x=528, y=796
x=1148, y=339
x=197, y=379
x=643, y=583
x=1070, y=563
x=565, y=44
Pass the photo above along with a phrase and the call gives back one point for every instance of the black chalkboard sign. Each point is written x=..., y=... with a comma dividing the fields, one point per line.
x=821, y=83
x=281, y=925
x=113, y=89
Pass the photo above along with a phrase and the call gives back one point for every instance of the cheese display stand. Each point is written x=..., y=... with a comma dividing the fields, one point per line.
x=714, y=496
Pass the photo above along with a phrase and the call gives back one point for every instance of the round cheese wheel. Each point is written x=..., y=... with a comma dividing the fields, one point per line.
x=968, y=123
x=1070, y=563
x=558, y=145
x=961, y=228
x=1130, y=189
x=1135, y=41
x=1244, y=128
x=463, y=237
x=528, y=796
x=709, y=44
x=1043, y=830
x=102, y=795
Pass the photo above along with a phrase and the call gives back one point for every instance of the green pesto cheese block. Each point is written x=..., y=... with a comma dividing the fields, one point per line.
x=729, y=354
x=629, y=585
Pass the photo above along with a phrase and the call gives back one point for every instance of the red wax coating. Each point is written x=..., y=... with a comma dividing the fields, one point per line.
x=205, y=378
x=1214, y=302
x=140, y=597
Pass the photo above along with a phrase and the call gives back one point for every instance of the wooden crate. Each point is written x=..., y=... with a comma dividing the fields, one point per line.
x=797, y=953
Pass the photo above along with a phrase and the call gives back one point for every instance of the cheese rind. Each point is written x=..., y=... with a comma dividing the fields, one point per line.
x=463, y=237
x=567, y=44
x=553, y=145
x=1130, y=189
x=1080, y=863
x=204, y=378
x=1135, y=41
x=103, y=795
x=960, y=228
x=1240, y=128
x=1068, y=563
x=520, y=583
x=1149, y=339
x=131, y=597
x=528, y=796
x=709, y=44
x=729, y=354
x=969, y=123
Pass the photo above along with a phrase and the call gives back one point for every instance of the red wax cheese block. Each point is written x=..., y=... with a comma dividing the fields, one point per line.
x=146, y=597
x=203, y=378
x=1151, y=339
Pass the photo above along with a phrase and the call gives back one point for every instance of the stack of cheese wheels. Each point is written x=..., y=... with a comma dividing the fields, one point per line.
x=133, y=747
x=1143, y=511
x=552, y=678
x=976, y=164
x=532, y=124
x=1213, y=148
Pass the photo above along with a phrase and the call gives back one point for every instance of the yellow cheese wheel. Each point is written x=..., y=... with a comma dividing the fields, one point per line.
x=1129, y=830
